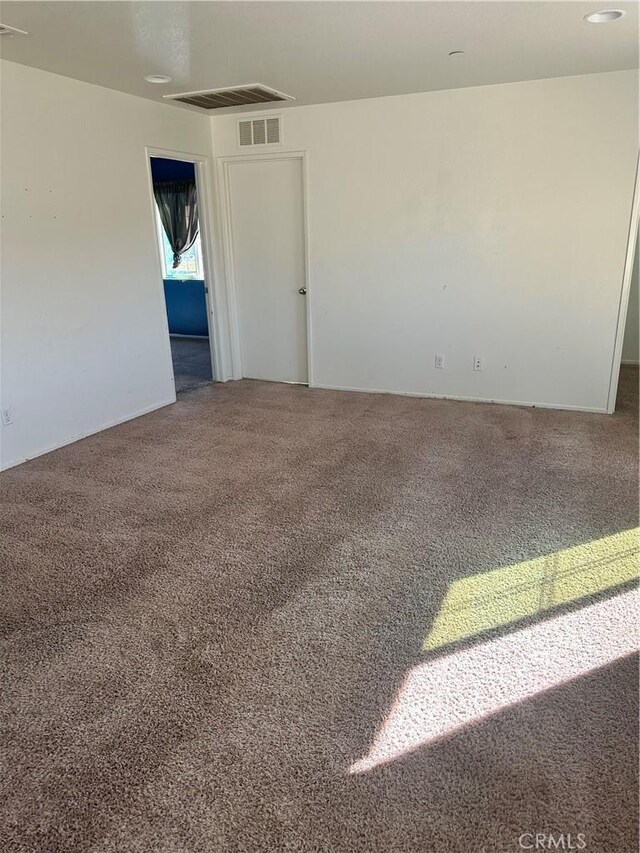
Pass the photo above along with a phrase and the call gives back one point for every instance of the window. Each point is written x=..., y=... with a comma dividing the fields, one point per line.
x=191, y=266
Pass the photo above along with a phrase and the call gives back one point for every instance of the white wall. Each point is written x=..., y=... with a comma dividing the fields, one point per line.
x=84, y=340
x=631, y=342
x=488, y=221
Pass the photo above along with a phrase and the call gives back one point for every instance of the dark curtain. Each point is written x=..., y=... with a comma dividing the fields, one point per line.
x=178, y=208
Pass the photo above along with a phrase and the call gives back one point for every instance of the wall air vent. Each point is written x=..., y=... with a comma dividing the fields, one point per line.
x=259, y=131
x=11, y=31
x=234, y=96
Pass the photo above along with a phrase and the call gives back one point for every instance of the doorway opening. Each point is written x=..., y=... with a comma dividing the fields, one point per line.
x=176, y=209
x=630, y=356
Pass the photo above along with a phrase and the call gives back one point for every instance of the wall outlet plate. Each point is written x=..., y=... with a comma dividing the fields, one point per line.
x=7, y=417
x=478, y=363
x=439, y=361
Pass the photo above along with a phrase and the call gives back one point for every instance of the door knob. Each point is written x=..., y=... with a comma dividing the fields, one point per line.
x=302, y=291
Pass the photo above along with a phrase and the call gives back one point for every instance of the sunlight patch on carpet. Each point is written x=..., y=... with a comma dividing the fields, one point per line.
x=489, y=600
x=445, y=694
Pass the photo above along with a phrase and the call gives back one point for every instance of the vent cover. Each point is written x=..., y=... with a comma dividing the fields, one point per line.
x=235, y=96
x=259, y=131
x=11, y=31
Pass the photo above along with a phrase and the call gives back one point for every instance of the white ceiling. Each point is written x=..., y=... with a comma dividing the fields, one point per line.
x=317, y=51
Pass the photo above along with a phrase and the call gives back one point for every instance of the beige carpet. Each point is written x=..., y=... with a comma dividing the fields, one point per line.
x=269, y=618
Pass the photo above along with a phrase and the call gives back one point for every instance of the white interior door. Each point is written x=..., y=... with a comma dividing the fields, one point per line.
x=267, y=236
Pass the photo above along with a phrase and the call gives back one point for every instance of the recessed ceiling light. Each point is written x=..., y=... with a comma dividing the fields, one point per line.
x=604, y=16
x=457, y=53
x=157, y=78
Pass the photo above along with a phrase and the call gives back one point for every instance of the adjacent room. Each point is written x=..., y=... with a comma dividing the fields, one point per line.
x=319, y=426
x=181, y=258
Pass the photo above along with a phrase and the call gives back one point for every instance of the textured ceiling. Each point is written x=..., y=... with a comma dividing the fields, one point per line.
x=317, y=51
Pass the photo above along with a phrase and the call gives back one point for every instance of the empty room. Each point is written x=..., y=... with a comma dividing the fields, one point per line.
x=319, y=426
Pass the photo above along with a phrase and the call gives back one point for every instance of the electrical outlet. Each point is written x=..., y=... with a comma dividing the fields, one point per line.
x=478, y=363
x=439, y=361
x=7, y=417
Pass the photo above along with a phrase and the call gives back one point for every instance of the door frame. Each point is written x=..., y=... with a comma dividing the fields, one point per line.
x=217, y=320
x=223, y=164
x=625, y=291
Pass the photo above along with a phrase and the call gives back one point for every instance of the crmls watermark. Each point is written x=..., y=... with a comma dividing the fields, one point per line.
x=552, y=841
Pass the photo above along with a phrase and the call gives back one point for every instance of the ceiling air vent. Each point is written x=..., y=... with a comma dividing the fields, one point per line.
x=11, y=31
x=259, y=131
x=235, y=96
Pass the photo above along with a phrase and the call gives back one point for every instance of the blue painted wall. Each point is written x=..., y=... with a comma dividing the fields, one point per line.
x=186, y=303
x=186, y=307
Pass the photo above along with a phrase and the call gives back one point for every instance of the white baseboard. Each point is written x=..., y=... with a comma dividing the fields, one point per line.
x=629, y=361
x=6, y=465
x=522, y=403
